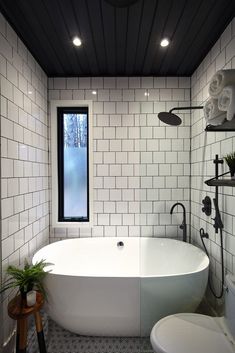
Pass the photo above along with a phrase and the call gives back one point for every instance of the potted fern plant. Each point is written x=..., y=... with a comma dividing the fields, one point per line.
x=230, y=160
x=26, y=279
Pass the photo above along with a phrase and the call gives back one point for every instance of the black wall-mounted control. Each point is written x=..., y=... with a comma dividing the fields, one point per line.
x=207, y=205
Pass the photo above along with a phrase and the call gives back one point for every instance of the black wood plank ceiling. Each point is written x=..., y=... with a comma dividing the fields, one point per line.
x=121, y=40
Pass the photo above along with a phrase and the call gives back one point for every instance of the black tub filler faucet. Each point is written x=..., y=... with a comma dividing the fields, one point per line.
x=183, y=226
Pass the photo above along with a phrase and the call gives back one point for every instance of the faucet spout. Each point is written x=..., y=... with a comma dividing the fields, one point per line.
x=183, y=226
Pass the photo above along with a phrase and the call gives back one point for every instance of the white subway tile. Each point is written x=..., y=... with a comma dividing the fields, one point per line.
x=140, y=95
x=84, y=82
x=72, y=82
x=128, y=120
x=7, y=247
x=115, y=195
x=115, y=169
x=6, y=48
x=178, y=94
x=146, y=132
x=226, y=36
x=97, y=82
x=115, y=145
x=147, y=107
x=109, y=82
x=134, y=82
x=122, y=107
x=109, y=182
x=159, y=82
x=109, y=157
x=121, y=182
x=134, y=107
x=109, y=132
x=165, y=94
x=230, y=50
x=6, y=88
x=98, y=107
x=109, y=108
x=122, y=82
x=78, y=94
x=115, y=95
x=12, y=75
x=6, y=168
x=147, y=82
x=102, y=170
x=7, y=207
x=127, y=145
x=128, y=95
x=154, y=94
x=12, y=149
x=103, y=145
x=172, y=82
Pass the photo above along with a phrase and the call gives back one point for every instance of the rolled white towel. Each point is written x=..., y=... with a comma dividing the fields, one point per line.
x=212, y=114
x=221, y=79
x=226, y=101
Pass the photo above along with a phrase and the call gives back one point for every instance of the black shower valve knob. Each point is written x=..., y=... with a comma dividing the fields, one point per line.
x=207, y=205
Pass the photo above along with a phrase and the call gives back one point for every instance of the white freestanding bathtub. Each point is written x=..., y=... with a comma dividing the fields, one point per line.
x=98, y=288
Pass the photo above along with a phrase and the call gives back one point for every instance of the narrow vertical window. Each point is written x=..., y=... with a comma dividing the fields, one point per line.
x=73, y=164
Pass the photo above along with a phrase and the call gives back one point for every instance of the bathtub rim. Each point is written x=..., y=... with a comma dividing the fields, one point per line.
x=201, y=269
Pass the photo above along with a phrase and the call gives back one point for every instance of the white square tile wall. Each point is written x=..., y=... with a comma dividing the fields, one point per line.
x=204, y=147
x=24, y=155
x=140, y=165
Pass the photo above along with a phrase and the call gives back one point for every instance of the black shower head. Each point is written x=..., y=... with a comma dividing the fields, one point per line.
x=169, y=118
x=173, y=119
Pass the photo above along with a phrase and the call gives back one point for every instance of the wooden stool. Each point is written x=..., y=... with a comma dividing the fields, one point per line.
x=18, y=310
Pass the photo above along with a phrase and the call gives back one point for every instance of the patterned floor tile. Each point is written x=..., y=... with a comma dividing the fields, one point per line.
x=62, y=341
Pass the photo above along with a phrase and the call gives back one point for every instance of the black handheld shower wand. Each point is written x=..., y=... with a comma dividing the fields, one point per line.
x=218, y=221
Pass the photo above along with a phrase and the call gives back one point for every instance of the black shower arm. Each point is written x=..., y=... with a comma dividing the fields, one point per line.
x=185, y=108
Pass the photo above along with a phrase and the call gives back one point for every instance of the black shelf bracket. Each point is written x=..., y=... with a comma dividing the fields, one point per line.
x=216, y=180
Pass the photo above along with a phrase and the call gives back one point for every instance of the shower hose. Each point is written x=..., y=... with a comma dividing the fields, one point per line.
x=218, y=296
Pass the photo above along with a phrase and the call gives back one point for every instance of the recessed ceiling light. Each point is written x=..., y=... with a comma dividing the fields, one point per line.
x=94, y=92
x=77, y=41
x=164, y=42
x=146, y=93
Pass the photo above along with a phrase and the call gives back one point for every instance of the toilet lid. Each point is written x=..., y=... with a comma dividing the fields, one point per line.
x=189, y=333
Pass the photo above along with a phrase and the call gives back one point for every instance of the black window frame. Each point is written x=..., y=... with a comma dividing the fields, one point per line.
x=60, y=152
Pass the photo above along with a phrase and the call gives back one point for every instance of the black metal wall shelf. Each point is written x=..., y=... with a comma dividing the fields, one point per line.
x=226, y=126
x=220, y=182
x=217, y=180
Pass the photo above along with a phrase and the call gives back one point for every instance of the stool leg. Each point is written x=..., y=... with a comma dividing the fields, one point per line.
x=21, y=340
x=18, y=336
x=39, y=328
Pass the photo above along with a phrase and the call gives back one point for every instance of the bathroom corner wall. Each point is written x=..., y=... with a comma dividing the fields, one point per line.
x=24, y=155
x=204, y=147
x=141, y=166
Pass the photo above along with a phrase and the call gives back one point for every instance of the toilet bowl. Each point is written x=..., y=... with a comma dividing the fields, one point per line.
x=196, y=333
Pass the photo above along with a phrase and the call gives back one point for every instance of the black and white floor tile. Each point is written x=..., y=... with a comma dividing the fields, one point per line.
x=58, y=340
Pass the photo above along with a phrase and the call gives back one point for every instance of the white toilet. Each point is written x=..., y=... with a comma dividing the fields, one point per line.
x=195, y=333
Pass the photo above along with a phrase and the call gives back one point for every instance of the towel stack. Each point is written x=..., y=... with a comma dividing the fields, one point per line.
x=222, y=98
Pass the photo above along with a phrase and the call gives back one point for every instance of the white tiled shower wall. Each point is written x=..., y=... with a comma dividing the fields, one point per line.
x=24, y=155
x=204, y=147
x=141, y=166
